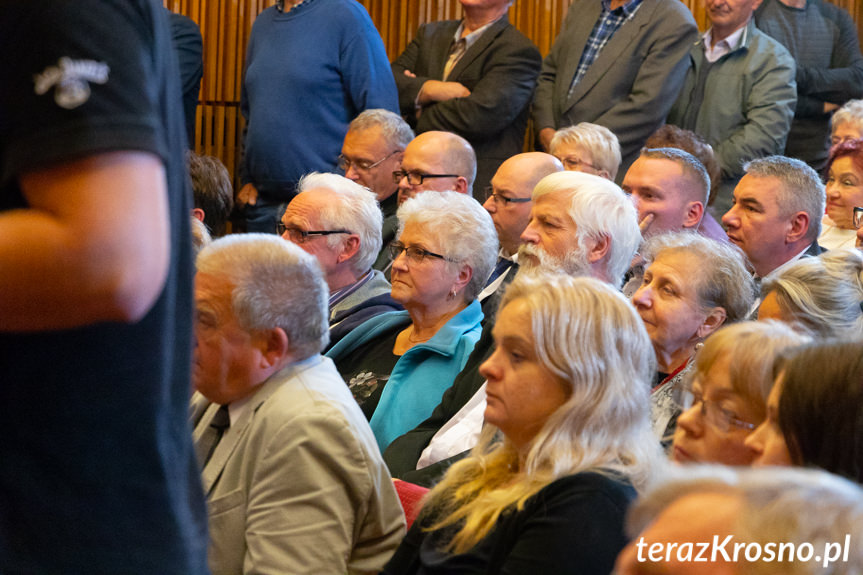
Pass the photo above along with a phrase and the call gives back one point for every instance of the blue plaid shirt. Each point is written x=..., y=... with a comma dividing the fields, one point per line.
x=608, y=23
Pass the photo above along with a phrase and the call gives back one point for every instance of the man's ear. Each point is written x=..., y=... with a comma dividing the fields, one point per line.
x=798, y=228
x=693, y=214
x=714, y=320
x=600, y=248
x=461, y=185
x=350, y=247
x=198, y=214
x=274, y=347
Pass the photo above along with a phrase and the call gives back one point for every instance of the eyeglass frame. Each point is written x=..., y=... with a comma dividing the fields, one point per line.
x=573, y=164
x=857, y=217
x=303, y=234
x=502, y=200
x=399, y=174
x=720, y=419
x=396, y=249
x=342, y=159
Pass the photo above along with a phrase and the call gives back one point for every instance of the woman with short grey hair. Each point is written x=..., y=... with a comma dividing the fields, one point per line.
x=399, y=364
x=692, y=286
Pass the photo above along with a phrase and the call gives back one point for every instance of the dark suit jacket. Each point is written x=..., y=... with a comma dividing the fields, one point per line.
x=499, y=69
x=189, y=47
x=631, y=85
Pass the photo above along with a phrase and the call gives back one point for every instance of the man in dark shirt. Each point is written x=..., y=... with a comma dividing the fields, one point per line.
x=97, y=472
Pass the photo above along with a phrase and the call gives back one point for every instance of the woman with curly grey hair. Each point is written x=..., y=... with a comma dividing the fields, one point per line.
x=399, y=364
x=692, y=286
x=567, y=391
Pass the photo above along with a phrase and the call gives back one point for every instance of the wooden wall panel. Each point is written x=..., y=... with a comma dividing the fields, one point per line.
x=226, y=24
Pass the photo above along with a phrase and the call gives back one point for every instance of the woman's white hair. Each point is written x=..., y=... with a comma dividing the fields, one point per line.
x=823, y=294
x=355, y=210
x=463, y=229
x=601, y=142
x=599, y=209
x=275, y=284
x=850, y=113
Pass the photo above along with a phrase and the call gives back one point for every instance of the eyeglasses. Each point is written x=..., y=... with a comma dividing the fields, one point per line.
x=500, y=199
x=571, y=163
x=414, y=253
x=345, y=163
x=416, y=178
x=858, y=217
x=299, y=236
x=713, y=413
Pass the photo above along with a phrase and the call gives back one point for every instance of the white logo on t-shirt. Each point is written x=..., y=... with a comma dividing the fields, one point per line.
x=71, y=78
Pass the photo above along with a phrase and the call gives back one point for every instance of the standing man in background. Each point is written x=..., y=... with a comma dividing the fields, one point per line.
x=823, y=40
x=474, y=77
x=311, y=67
x=616, y=63
x=97, y=472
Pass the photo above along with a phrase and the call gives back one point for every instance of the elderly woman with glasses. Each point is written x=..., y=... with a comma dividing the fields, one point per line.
x=844, y=194
x=726, y=396
x=399, y=364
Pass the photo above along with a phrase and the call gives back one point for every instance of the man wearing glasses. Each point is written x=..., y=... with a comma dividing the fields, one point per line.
x=339, y=222
x=373, y=149
x=438, y=162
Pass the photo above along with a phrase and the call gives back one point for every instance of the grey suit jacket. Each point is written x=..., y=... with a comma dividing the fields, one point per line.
x=499, y=69
x=633, y=82
x=297, y=484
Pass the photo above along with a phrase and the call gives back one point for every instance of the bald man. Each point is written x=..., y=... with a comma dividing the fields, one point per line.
x=508, y=197
x=436, y=161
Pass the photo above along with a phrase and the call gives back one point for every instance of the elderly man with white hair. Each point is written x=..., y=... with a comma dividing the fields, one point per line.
x=293, y=478
x=580, y=225
x=338, y=221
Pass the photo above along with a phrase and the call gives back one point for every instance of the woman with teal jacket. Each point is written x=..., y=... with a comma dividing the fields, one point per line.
x=398, y=364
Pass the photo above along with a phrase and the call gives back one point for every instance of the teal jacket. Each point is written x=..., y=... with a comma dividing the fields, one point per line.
x=422, y=374
x=749, y=100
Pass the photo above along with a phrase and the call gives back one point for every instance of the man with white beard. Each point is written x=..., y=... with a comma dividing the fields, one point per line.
x=580, y=224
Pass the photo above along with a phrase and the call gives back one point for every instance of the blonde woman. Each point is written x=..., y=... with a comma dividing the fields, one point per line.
x=568, y=390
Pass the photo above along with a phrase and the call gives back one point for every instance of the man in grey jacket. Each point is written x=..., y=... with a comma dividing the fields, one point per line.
x=739, y=92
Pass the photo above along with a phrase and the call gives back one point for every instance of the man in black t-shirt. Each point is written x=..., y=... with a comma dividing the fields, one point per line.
x=97, y=472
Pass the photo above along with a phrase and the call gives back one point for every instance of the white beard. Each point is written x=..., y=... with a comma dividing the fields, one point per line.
x=532, y=258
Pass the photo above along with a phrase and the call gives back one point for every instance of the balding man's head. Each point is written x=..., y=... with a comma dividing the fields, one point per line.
x=508, y=197
x=437, y=161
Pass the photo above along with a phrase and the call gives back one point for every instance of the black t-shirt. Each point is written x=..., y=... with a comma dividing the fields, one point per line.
x=96, y=468
x=367, y=369
x=572, y=526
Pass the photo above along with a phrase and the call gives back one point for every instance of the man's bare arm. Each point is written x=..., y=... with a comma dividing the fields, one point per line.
x=92, y=245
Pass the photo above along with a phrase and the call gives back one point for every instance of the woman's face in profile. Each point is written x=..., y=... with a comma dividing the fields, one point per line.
x=715, y=424
x=521, y=392
x=844, y=192
x=667, y=301
x=767, y=441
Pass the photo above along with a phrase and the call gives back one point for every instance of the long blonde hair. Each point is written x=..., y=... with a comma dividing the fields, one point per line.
x=586, y=333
